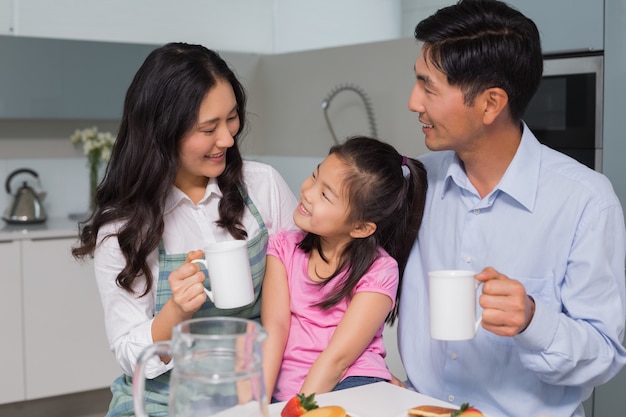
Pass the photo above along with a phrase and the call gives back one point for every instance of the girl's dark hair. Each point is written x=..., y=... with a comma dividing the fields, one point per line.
x=378, y=191
x=480, y=44
x=160, y=108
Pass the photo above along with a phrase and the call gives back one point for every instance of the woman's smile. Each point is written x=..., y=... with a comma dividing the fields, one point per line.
x=214, y=156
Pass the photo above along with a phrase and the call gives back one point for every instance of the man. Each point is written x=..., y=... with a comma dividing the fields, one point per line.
x=545, y=233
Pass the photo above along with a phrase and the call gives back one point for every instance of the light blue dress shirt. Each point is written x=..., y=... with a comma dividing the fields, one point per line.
x=558, y=228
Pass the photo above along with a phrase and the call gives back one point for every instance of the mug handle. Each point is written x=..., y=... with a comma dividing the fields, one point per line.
x=208, y=293
x=480, y=319
x=139, y=378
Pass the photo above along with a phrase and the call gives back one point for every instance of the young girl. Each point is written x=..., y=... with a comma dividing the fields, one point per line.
x=176, y=180
x=330, y=287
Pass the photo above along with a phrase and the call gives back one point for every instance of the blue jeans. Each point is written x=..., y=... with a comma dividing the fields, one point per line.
x=350, y=382
x=357, y=381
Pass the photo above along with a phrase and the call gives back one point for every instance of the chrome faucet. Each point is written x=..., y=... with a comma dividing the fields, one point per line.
x=366, y=102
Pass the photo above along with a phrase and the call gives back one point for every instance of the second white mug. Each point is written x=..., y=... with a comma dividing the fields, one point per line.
x=228, y=266
x=452, y=298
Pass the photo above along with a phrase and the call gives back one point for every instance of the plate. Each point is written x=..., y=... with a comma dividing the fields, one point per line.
x=348, y=412
x=351, y=414
x=406, y=414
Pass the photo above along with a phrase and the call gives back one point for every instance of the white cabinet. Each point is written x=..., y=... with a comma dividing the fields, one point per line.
x=68, y=79
x=62, y=79
x=226, y=25
x=66, y=347
x=564, y=25
x=11, y=347
x=58, y=346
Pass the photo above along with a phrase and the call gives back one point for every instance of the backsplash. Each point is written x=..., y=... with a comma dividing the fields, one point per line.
x=66, y=180
x=294, y=169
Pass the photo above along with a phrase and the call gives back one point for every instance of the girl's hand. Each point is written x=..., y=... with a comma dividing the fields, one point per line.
x=395, y=381
x=187, y=286
x=362, y=320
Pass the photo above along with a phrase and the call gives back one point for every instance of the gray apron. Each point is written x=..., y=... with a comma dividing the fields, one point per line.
x=157, y=389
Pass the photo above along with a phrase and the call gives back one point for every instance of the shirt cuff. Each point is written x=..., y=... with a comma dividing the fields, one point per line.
x=540, y=332
x=141, y=338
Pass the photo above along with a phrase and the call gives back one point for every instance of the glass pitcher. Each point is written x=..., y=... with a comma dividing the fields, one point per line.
x=217, y=369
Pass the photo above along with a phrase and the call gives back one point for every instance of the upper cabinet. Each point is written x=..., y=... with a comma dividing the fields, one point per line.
x=62, y=79
x=225, y=25
x=67, y=79
x=564, y=25
x=249, y=26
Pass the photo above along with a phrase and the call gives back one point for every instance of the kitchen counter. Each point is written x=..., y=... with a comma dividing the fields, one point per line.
x=54, y=227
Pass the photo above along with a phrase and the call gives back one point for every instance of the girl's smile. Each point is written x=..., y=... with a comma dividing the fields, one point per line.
x=302, y=210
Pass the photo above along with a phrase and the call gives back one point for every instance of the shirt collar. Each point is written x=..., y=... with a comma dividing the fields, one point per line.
x=520, y=180
x=176, y=197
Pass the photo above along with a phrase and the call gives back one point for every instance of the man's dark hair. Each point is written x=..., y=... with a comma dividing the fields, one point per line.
x=480, y=44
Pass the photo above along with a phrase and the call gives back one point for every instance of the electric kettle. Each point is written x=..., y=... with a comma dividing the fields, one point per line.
x=26, y=206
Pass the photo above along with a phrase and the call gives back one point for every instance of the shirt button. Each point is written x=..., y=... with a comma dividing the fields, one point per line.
x=451, y=398
x=454, y=356
x=476, y=211
x=467, y=259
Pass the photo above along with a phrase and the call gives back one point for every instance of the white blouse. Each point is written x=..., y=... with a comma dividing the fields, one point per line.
x=188, y=227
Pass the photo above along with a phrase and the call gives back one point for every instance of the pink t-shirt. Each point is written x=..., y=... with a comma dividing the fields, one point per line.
x=311, y=327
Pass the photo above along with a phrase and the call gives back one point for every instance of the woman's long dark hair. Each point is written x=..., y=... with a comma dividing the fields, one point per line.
x=380, y=191
x=160, y=108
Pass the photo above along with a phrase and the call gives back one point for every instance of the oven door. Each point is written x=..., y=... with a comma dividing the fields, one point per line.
x=566, y=111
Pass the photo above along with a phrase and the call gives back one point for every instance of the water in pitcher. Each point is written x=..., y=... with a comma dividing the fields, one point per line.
x=217, y=369
x=220, y=384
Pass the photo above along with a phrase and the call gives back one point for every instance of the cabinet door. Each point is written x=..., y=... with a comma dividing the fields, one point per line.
x=11, y=347
x=65, y=342
x=65, y=79
x=565, y=25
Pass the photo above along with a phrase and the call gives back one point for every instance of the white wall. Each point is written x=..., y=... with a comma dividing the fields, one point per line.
x=64, y=180
x=291, y=86
x=6, y=17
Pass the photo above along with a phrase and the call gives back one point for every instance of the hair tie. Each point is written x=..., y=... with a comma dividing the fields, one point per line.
x=405, y=169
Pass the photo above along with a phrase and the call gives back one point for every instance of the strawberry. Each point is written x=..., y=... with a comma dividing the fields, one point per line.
x=299, y=405
x=467, y=410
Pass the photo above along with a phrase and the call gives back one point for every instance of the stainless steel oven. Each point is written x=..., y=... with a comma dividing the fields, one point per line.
x=566, y=111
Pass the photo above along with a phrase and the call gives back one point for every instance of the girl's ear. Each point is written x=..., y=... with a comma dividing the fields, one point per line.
x=362, y=230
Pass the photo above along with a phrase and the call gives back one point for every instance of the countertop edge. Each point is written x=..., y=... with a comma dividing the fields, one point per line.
x=52, y=228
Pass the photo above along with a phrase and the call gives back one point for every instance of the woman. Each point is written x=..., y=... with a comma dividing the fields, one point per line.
x=175, y=181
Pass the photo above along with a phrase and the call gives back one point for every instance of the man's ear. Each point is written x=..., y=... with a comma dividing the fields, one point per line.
x=495, y=101
x=363, y=229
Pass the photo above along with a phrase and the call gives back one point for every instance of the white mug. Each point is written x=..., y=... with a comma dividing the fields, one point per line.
x=228, y=265
x=452, y=298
